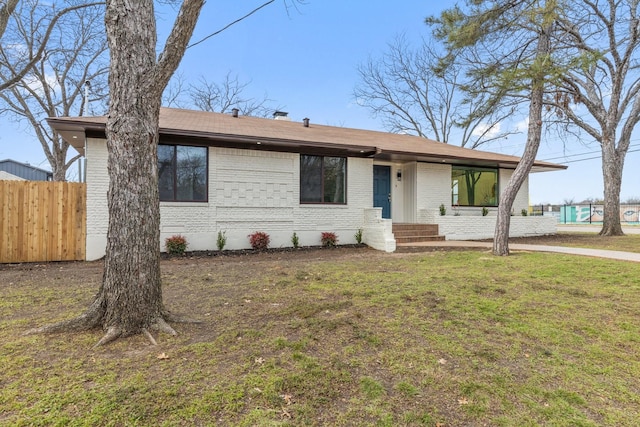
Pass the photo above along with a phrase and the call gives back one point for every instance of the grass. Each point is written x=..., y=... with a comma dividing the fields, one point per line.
x=626, y=243
x=360, y=338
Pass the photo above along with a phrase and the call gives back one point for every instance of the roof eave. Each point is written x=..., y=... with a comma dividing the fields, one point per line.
x=268, y=144
x=464, y=160
x=75, y=132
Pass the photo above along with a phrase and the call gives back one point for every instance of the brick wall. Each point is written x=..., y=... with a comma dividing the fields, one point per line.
x=248, y=191
x=97, y=188
x=252, y=190
x=434, y=186
x=522, y=198
x=468, y=227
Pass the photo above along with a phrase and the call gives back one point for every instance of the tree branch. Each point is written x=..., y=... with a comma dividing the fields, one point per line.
x=5, y=13
x=38, y=55
x=176, y=45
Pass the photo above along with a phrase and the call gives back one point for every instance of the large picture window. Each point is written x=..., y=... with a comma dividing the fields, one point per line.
x=323, y=179
x=182, y=173
x=474, y=186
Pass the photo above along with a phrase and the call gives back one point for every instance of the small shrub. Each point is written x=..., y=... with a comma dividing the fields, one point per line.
x=485, y=211
x=295, y=241
x=524, y=212
x=443, y=210
x=176, y=245
x=259, y=240
x=358, y=236
x=329, y=239
x=221, y=242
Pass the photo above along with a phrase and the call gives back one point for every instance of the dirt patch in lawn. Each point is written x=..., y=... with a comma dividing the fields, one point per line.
x=234, y=266
x=243, y=264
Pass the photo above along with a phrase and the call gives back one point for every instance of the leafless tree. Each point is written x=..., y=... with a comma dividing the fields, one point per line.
x=18, y=60
x=411, y=92
x=600, y=94
x=174, y=94
x=74, y=57
x=220, y=97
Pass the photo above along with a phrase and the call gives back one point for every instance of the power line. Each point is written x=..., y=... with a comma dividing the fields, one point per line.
x=517, y=147
x=590, y=158
x=230, y=24
x=583, y=154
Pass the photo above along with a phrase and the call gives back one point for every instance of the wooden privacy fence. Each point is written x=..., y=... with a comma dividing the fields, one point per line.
x=42, y=221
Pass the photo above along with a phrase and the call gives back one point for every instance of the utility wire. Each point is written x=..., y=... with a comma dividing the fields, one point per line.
x=590, y=158
x=232, y=23
x=582, y=154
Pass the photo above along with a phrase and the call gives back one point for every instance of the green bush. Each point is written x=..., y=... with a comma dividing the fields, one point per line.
x=221, y=242
x=176, y=245
x=259, y=240
x=443, y=210
x=524, y=212
x=485, y=211
x=358, y=236
x=295, y=241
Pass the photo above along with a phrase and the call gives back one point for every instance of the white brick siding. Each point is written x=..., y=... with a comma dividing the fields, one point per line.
x=248, y=191
x=251, y=190
x=465, y=227
x=97, y=188
x=377, y=232
x=434, y=186
x=522, y=198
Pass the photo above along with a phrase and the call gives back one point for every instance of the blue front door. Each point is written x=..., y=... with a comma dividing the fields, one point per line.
x=382, y=189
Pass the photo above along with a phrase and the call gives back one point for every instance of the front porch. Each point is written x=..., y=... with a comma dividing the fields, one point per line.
x=383, y=234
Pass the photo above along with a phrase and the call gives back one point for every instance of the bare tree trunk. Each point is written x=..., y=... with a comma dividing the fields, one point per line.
x=534, y=133
x=131, y=284
x=130, y=298
x=612, y=164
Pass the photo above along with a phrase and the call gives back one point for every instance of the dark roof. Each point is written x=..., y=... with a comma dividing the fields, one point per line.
x=216, y=129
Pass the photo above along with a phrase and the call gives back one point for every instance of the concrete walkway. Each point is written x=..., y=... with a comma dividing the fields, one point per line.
x=595, y=228
x=599, y=253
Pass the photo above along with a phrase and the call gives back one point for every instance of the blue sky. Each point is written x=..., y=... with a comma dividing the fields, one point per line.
x=305, y=60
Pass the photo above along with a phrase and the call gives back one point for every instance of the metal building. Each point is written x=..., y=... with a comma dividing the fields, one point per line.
x=25, y=170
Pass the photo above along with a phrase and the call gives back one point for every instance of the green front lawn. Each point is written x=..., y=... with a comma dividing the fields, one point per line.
x=347, y=337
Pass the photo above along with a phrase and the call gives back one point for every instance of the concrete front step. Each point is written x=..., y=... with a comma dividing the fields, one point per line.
x=418, y=239
x=415, y=233
x=431, y=228
x=409, y=233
